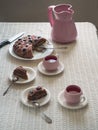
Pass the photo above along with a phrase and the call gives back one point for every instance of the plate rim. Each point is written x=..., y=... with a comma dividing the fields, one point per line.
x=11, y=52
x=25, y=81
x=29, y=105
x=50, y=74
x=72, y=107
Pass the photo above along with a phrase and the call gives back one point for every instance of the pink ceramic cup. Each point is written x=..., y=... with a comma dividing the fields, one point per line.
x=51, y=62
x=73, y=94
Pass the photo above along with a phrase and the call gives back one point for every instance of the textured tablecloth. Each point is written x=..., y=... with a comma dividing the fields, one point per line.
x=80, y=60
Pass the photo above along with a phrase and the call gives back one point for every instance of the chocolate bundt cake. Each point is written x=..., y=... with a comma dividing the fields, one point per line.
x=25, y=46
x=37, y=93
x=20, y=72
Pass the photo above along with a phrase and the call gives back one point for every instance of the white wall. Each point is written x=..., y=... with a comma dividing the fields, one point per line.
x=36, y=10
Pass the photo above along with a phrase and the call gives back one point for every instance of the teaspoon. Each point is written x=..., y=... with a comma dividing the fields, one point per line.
x=13, y=81
x=44, y=116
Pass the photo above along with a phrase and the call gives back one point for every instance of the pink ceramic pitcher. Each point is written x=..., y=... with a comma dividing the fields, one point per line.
x=63, y=26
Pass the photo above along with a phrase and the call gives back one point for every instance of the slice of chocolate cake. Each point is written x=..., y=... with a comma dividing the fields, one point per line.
x=20, y=72
x=37, y=93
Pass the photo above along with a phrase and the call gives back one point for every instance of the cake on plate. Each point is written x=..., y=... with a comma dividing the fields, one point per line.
x=20, y=72
x=25, y=46
x=37, y=93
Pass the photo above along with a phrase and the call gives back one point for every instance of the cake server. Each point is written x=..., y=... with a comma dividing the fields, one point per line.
x=10, y=40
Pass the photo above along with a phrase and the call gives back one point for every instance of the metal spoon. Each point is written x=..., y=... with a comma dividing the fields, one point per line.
x=44, y=116
x=13, y=81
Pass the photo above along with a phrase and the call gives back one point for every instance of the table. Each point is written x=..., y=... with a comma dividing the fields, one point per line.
x=80, y=60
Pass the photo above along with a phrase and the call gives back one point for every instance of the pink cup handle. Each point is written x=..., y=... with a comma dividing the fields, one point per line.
x=82, y=99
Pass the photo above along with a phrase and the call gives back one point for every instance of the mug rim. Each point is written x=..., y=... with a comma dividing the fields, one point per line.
x=51, y=57
x=75, y=88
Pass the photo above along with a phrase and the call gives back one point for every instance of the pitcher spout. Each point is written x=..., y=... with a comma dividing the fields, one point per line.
x=63, y=12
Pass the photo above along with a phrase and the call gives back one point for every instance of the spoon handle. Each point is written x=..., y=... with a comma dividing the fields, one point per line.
x=7, y=89
x=13, y=81
x=46, y=118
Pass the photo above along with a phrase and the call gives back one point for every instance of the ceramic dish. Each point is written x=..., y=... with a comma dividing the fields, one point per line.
x=37, y=55
x=42, y=101
x=45, y=72
x=62, y=102
x=31, y=76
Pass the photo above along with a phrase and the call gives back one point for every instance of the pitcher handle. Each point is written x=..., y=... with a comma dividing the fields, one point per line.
x=50, y=14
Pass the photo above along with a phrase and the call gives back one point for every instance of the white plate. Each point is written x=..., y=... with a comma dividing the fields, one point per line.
x=63, y=103
x=31, y=76
x=44, y=71
x=42, y=101
x=37, y=55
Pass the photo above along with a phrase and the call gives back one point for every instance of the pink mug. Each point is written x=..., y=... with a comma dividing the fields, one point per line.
x=51, y=62
x=73, y=94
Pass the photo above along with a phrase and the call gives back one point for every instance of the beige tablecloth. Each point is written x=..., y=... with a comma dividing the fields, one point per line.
x=80, y=60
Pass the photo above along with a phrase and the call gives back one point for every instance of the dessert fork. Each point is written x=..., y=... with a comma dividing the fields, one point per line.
x=12, y=82
x=43, y=48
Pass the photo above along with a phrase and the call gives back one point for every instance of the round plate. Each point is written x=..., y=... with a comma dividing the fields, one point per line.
x=37, y=55
x=31, y=76
x=44, y=71
x=42, y=101
x=62, y=101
